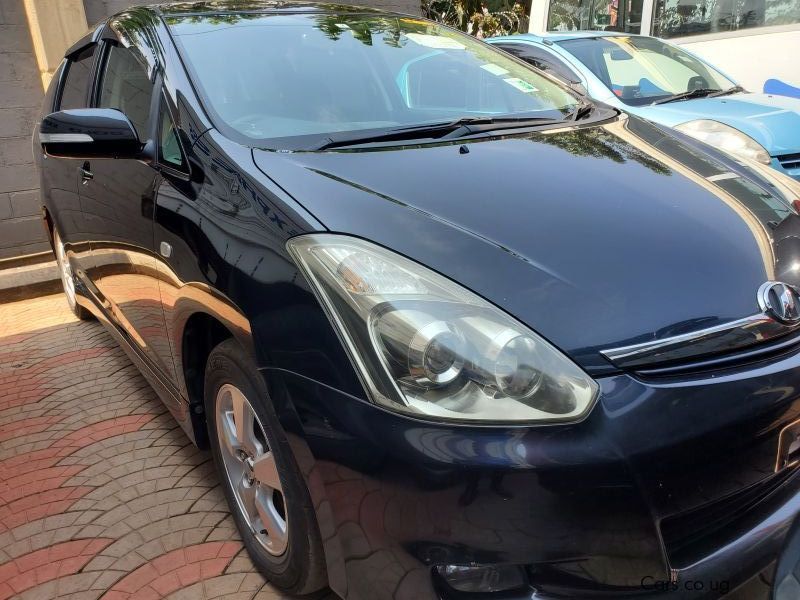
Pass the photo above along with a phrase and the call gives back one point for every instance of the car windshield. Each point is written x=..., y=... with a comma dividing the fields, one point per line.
x=641, y=70
x=288, y=80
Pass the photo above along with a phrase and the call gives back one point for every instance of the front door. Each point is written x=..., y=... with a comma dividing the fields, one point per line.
x=118, y=201
x=61, y=176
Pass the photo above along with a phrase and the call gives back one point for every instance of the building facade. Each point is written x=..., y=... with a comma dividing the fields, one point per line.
x=33, y=37
x=20, y=97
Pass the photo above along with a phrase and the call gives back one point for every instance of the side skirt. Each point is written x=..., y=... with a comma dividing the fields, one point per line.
x=89, y=297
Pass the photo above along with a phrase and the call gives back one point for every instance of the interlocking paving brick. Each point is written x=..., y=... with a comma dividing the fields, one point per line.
x=101, y=493
x=47, y=564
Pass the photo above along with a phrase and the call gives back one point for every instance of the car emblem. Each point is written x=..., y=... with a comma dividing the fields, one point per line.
x=781, y=301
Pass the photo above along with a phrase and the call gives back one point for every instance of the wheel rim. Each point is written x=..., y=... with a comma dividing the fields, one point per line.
x=251, y=470
x=65, y=270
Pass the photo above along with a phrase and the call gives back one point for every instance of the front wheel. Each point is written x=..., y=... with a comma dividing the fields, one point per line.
x=265, y=490
x=68, y=280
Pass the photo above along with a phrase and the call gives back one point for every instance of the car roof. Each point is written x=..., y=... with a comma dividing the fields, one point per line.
x=174, y=9
x=559, y=36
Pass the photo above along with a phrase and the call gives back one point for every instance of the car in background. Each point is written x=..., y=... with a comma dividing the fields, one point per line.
x=449, y=329
x=666, y=84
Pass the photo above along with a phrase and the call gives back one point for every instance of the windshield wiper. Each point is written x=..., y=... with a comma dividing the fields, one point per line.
x=397, y=133
x=448, y=129
x=500, y=123
x=583, y=111
x=699, y=93
x=732, y=90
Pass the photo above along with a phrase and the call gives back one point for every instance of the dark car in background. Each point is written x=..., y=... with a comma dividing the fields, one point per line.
x=448, y=329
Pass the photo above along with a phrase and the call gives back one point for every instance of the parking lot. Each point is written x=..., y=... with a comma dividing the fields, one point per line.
x=101, y=493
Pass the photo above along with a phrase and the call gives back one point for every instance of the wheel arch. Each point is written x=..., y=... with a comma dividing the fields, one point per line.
x=201, y=319
x=202, y=332
x=198, y=318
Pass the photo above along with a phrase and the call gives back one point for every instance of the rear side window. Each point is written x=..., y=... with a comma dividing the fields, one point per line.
x=169, y=146
x=127, y=87
x=76, y=81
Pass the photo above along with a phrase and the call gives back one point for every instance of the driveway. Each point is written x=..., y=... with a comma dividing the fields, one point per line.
x=101, y=493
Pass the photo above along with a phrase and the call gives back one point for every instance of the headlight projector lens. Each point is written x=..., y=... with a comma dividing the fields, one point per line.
x=515, y=371
x=429, y=349
x=436, y=352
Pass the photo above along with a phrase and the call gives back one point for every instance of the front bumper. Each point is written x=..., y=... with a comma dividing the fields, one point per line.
x=788, y=164
x=712, y=577
x=667, y=483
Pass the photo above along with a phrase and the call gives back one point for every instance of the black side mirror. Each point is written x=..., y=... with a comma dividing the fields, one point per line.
x=89, y=133
x=576, y=86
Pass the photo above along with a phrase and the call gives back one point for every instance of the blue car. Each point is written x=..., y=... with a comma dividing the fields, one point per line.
x=665, y=84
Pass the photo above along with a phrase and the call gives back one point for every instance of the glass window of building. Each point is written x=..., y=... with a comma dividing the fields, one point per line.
x=678, y=18
x=597, y=15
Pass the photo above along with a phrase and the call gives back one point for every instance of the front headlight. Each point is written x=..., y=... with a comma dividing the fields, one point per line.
x=426, y=346
x=726, y=138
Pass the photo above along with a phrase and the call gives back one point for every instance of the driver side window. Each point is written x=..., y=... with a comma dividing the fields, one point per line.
x=126, y=86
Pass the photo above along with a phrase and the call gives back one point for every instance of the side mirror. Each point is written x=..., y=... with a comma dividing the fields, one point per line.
x=578, y=87
x=89, y=133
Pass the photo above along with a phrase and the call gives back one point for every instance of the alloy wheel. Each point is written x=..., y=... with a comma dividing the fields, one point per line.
x=251, y=469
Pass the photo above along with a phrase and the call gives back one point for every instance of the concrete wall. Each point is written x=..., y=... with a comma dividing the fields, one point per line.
x=743, y=57
x=21, y=94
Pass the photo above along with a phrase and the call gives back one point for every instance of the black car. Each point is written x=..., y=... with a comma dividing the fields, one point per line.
x=449, y=330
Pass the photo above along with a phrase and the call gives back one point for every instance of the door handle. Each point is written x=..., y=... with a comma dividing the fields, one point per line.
x=86, y=174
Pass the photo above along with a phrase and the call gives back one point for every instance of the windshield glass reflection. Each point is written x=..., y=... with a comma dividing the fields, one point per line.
x=306, y=75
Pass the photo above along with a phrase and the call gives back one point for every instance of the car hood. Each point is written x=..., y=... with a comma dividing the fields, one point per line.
x=773, y=121
x=596, y=237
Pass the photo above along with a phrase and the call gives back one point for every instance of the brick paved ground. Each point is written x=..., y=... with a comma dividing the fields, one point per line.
x=101, y=493
x=102, y=496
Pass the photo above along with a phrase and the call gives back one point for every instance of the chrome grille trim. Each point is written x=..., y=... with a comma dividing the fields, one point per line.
x=728, y=337
x=789, y=161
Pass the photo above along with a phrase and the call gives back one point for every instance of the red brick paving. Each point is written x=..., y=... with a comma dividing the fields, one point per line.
x=47, y=564
x=102, y=496
x=101, y=493
x=174, y=570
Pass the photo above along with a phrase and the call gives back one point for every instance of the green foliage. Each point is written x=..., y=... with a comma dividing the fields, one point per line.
x=481, y=18
x=362, y=27
x=599, y=143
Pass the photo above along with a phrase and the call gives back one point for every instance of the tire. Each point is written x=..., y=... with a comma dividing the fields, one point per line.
x=68, y=280
x=255, y=484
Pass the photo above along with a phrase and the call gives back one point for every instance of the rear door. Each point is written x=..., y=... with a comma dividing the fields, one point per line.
x=118, y=199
